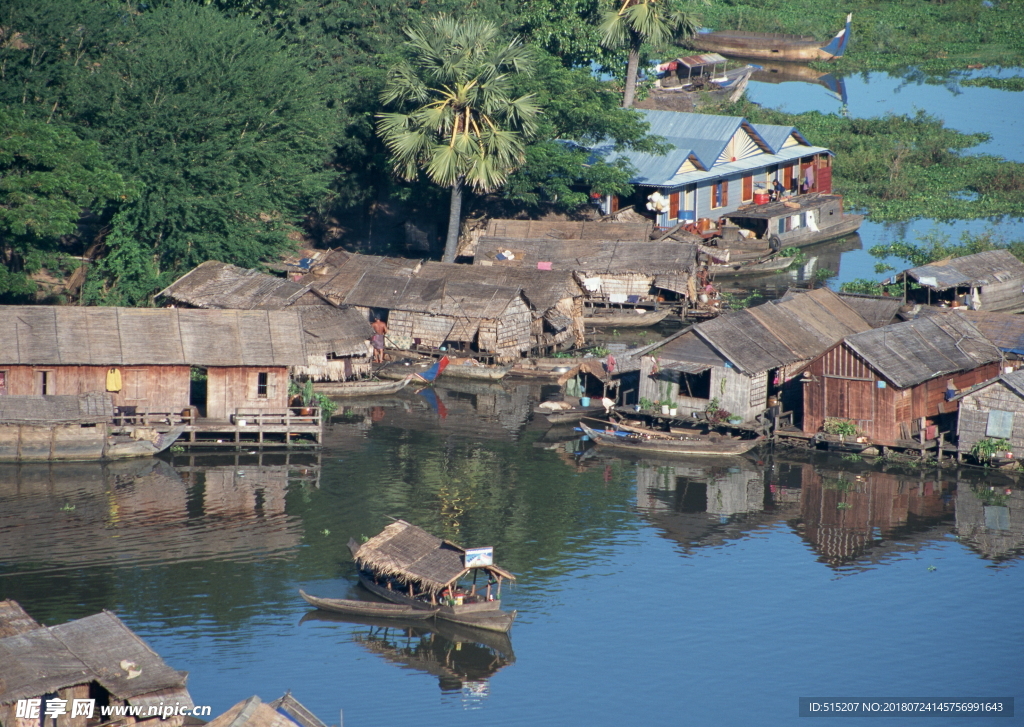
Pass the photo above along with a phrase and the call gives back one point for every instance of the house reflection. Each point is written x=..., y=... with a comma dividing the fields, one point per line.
x=990, y=520
x=463, y=659
x=82, y=514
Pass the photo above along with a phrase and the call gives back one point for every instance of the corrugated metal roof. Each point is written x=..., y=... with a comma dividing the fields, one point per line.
x=704, y=136
x=915, y=351
x=983, y=268
x=701, y=59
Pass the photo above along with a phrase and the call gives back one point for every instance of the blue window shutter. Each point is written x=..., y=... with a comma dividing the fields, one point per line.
x=1000, y=424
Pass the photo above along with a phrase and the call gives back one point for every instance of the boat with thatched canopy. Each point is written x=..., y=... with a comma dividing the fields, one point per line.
x=407, y=565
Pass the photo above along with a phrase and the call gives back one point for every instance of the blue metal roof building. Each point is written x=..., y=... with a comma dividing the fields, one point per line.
x=716, y=162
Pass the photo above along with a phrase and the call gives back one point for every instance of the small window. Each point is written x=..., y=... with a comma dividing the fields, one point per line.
x=1000, y=424
x=3, y=383
x=719, y=194
x=262, y=384
x=45, y=384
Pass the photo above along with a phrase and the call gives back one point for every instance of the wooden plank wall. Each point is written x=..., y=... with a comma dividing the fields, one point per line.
x=1005, y=296
x=158, y=388
x=233, y=387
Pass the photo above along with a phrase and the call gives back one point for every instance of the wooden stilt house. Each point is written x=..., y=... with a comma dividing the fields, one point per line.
x=986, y=281
x=143, y=357
x=337, y=340
x=993, y=410
x=94, y=658
x=499, y=315
x=611, y=272
x=737, y=361
x=891, y=382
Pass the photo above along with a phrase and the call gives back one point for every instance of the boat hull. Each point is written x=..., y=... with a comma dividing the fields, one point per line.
x=366, y=608
x=761, y=46
x=58, y=442
x=484, y=615
x=562, y=416
x=626, y=318
x=667, y=445
x=477, y=373
x=360, y=388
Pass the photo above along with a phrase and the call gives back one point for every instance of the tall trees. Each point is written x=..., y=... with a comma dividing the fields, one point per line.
x=459, y=122
x=638, y=22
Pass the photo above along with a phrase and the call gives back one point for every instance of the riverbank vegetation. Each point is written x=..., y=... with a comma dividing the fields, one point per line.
x=143, y=138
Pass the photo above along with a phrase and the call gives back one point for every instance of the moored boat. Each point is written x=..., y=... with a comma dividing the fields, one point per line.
x=361, y=388
x=406, y=565
x=623, y=317
x=571, y=414
x=424, y=370
x=806, y=219
x=472, y=369
x=637, y=440
x=372, y=609
x=772, y=46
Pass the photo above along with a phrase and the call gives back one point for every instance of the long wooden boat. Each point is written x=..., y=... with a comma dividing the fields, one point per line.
x=477, y=371
x=623, y=317
x=663, y=443
x=772, y=46
x=361, y=388
x=406, y=565
x=562, y=416
x=366, y=608
x=424, y=370
x=750, y=267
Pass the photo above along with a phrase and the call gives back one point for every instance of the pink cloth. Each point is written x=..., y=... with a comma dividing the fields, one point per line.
x=543, y=266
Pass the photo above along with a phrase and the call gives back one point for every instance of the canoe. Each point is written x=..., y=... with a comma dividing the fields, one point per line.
x=424, y=370
x=663, y=443
x=360, y=388
x=751, y=267
x=624, y=317
x=366, y=608
x=772, y=46
x=561, y=416
x=480, y=372
x=727, y=87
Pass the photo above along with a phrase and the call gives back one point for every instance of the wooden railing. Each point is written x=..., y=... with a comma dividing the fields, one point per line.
x=286, y=417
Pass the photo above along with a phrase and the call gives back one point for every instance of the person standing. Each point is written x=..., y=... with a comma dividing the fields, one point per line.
x=379, y=329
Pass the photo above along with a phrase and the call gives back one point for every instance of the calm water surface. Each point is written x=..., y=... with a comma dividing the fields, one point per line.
x=662, y=592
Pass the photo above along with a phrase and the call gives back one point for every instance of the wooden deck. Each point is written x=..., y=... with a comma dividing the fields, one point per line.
x=247, y=428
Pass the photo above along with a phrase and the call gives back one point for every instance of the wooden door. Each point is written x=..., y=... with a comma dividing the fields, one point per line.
x=673, y=206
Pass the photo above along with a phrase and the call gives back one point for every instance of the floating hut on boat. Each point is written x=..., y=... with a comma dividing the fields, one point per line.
x=631, y=275
x=716, y=164
x=495, y=314
x=993, y=409
x=96, y=657
x=743, y=359
x=337, y=340
x=989, y=281
x=284, y=711
x=407, y=565
x=891, y=383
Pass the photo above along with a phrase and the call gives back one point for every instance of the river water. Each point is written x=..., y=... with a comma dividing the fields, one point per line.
x=656, y=592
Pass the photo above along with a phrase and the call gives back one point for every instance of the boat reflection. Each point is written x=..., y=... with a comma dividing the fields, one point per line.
x=781, y=72
x=462, y=658
x=78, y=514
x=990, y=520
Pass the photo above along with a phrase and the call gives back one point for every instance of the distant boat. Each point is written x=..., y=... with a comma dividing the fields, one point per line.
x=471, y=369
x=623, y=317
x=772, y=46
x=638, y=440
x=425, y=370
x=700, y=78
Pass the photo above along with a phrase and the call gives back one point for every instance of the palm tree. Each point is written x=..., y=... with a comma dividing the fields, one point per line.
x=638, y=22
x=458, y=121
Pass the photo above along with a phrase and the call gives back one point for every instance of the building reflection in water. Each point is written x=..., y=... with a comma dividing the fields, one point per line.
x=463, y=659
x=79, y=514
x=851, y=517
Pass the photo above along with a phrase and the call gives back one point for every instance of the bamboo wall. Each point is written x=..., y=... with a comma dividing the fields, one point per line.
x=973, y=420
x=157, y=388
x=234, y=387
x=845, y=387
x=1005, y=296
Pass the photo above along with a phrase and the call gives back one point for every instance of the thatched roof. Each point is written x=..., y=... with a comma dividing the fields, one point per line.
x=412, y=554
x=14, y=619
x=795, y=328
x=214, y=284
x=590, y=257
x=98, y=648
x=90, y=408
x=253, y=712
x=914, y=351
x=983, y=268
x=74, y=336
x=567, y=230
x=334, y=330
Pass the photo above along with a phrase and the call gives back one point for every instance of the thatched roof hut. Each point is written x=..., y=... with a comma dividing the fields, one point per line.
x=98, y=648
x=412, y=555
x=604, y=268
x=991, y=281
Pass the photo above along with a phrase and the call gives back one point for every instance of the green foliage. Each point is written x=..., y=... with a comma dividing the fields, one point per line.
x=1013, y=83
x=646, y=403
x=984, y=449
x=842, y=427
x=598, y=351
x=871, y=287
x=934, y=246
x=990, y=496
